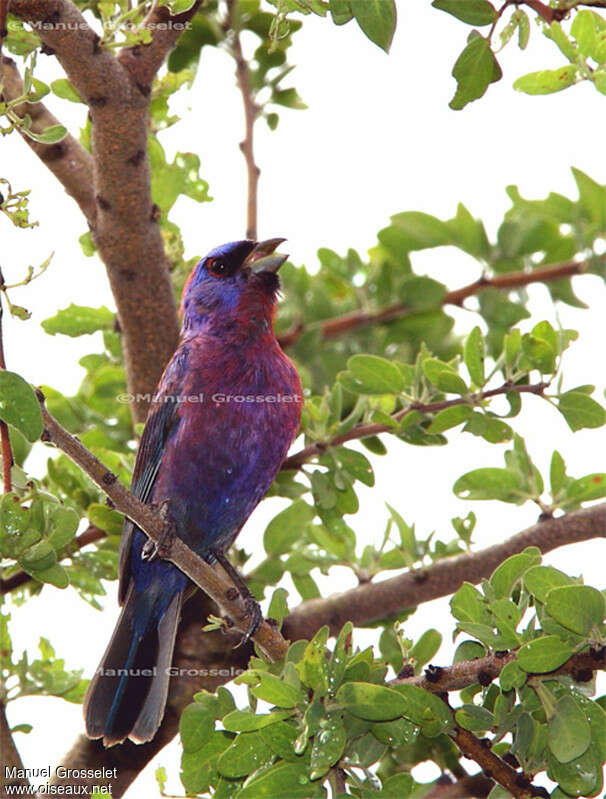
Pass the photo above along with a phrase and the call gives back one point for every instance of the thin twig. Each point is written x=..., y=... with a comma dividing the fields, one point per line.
x=156, y=525
x=297, y=460
x=251, y=113
x=484, y=670
x=332, y=328
x=5, y=442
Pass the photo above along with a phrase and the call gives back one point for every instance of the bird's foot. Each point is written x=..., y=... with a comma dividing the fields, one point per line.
x=158, y=549
x=253, y=609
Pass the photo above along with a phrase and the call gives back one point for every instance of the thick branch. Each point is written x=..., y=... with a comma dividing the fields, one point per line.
x=157, y=527
x=332, y=328
x=69, y=162
x=297, y=460
x=7, y=451
x=126, y=229
x=143, y=61
x=371, y=602
x=251, y=112
x=10, y=756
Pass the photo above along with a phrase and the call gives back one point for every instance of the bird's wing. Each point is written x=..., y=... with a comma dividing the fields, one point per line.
x=161, y=423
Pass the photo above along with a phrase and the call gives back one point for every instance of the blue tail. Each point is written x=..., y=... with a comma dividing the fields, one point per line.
x=127, y=695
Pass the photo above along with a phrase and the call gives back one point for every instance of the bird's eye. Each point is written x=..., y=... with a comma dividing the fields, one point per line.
x=217, y=268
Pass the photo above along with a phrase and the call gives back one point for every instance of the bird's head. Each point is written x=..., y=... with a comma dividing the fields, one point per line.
x=234, y=282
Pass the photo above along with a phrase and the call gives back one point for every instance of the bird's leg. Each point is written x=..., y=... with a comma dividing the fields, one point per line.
x=152, y=550
x=253, y=608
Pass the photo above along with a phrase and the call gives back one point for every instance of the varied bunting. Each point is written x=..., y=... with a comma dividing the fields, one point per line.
x=224, y=415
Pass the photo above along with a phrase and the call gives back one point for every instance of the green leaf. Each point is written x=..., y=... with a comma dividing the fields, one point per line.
x=50, y=135
x=544, y=654
x=419, y=231
x=581, y=411
x=568, y=731
x=426, y=710
x=375, y=375
x=329, y=743
x=278, y=606
x=196, y=766
x=539, y=580
x=243, y=721
x=245, y=755
x=78, y=320
x=474, y=355
x=489, y=483
x=195, y=727
x=63, y=526
x=592, y=486
x=588, y=30
x=273, y=690
x=377, y=19
x=592, y=197
x=507, y=574
x=443, y=376
x=287, y=527
x=340, y=11
x=19, y=405
x=372, y=702
x=280, y=780
x=473, y=12
x=579, y=608
x=475, y=69
x=547, y=81
x=426, y=647
x=450, y=417
x=64, y=89
x=474, y=718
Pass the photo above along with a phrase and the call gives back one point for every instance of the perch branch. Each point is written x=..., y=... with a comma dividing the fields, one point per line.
x=157, y=527
x=10, y=758
x=332, y=328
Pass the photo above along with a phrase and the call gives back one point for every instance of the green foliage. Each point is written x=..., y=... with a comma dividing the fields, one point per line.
x=324, y=707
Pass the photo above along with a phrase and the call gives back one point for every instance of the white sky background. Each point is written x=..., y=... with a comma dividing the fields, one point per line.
x=378, y=138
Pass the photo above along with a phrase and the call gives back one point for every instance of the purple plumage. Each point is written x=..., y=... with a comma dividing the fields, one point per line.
x=225, y=413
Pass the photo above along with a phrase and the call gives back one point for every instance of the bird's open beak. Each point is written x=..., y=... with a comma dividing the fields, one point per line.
x=264, y=258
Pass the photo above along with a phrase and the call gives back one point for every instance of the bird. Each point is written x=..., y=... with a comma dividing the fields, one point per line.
x=226, y=410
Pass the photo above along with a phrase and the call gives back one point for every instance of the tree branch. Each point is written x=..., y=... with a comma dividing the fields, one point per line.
x=10, y=756
x=125, y=229
x=69, y=162
x=332, y=328
x=297, y=460
x=157, y=526
x=495, y=767
x=7, y=451
x=144, y=60
x=484, y=670
x=251, y=112
x=371, y=602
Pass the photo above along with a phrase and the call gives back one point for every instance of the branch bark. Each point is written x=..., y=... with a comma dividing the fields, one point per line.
x=332, y=328
x=69, y=162
x=370, y=602
x=125, y=228
x=157, y=526
x=10, y=756
x=297, y=460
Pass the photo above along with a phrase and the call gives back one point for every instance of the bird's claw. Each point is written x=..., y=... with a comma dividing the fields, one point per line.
x=253, y=610
x=152, y=549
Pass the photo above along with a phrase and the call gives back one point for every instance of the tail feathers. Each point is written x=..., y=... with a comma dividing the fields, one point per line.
x=127, y=696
